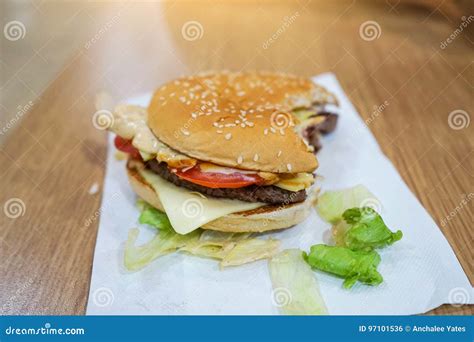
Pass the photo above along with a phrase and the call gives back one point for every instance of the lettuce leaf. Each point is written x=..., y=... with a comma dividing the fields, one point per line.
x=295, y=288
x=154, y=218
x=352, y=265
x=365, y=230
x=332, y=204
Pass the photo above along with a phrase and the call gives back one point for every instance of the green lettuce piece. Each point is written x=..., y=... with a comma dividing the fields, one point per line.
x=352, y=265
x=332, y=204
x=304, y=114
x=295, y=288
x=165, y=242
x=155, y=218
x=364, y=229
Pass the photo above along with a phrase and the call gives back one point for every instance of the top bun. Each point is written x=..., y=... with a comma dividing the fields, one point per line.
x=238, y=120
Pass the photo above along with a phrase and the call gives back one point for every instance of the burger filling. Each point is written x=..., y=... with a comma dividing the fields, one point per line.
x=135, y=138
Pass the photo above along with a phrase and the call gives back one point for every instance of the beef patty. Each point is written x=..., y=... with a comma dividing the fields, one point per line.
x=252, y=193
x=313, y=133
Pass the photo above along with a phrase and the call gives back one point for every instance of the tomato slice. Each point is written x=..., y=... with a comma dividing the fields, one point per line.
x=126, y=146
x=217, y=180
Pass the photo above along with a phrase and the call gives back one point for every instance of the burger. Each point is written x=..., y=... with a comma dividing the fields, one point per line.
x=227, y=151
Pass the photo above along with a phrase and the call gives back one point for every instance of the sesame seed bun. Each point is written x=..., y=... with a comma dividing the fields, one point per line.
x=237, y=119
x=270, y=217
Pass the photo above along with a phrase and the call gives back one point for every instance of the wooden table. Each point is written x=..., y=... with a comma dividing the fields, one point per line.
x=55, y=155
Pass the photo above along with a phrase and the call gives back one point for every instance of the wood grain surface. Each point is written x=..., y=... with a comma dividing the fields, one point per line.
x=54, y=155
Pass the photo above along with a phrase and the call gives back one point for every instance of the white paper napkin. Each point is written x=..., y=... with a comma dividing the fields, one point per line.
x=420, y=272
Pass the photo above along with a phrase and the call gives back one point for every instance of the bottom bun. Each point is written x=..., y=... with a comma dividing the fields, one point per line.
x=270, y=217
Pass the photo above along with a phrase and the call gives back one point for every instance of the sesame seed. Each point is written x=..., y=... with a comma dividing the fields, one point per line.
x=265, y=131
x=255, y=157
x=186, y=133
x=228, y=136
x=219, y=131
x=240, y=160
x=279, y=154
x=288, y=166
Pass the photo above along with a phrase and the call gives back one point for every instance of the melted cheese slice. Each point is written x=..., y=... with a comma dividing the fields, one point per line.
x=188, y=210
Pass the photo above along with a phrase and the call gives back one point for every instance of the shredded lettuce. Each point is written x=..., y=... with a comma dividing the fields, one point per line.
x=352, y=265
x=332, y=204
x=250, y=250
x=364, y=229
x=165, y=242
x=230, y=249
x=295, y=288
